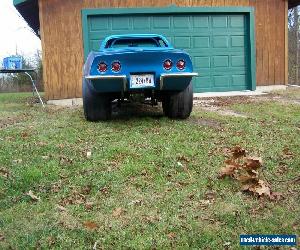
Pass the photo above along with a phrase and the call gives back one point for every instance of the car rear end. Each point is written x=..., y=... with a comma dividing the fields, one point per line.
x=139, y=69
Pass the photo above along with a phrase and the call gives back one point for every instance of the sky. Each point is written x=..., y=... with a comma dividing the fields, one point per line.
x=15, y=34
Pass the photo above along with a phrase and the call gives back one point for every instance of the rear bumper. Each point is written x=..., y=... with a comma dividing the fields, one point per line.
x=109, y=83
x=120, y=83
x=175, y=81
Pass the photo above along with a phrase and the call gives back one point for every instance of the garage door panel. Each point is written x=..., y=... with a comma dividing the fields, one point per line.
x=237, y=21
x=217, y=43
x=182, y=42
x=182, y=22
x=220, y=61
x=202, y=62
x=239, y=80
x=162, y=22
x=219, y=21
x=99, y=23
x=221, y=81
x=238, y=61
x=201, y=42
x=121, y=23
x=220, y=42
x=143, y=23
x=201, y=21
x=203, y=81
x=238, y=41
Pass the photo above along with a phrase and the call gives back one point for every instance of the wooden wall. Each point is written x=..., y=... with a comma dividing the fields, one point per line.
x=61, y=35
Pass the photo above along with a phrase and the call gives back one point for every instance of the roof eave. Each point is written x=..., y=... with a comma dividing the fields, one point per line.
x=293, y=3
x=29, y=9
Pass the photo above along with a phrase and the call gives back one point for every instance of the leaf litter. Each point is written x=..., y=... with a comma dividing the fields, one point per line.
x=248, y=172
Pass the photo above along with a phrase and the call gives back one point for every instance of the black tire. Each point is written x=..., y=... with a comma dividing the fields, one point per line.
x=96, y=106
x=178, y=105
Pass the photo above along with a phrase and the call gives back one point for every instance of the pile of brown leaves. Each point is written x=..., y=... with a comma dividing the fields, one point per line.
x=248, y=171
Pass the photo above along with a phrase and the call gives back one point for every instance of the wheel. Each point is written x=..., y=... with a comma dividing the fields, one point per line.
x=96, y=106
x=179, y=104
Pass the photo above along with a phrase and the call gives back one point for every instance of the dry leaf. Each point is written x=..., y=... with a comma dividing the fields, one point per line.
x=171, y=236
x=2, y=238
x=296, y=180
x=32, y=196
x=246, y=178
x=61, y=208
x=248, y=173
x=24, y=134
x=41, y=143
x=276, y=196
x=229, y=169
x=17, y=161
x=253, y=163
x=74, y=199
x=89, y=205
x=63, y=160
x=117, y=212
x=104, y=190
x=262, y=188
x=204, y=203
x=211, y=196
x=183, y=159
x=51, y=241
x=287, y=154
x=136, y=202
x=86, y=190
x=4, y=173
x=90, y=225
x=238, y=152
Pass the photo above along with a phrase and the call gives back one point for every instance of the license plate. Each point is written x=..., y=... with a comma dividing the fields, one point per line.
x=141, y=81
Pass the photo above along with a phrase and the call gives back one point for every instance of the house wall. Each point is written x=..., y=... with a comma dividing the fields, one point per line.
x=61, y=35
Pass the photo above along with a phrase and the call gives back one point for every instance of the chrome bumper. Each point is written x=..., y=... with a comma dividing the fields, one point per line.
x=109, y=77
x=123, y=78
x=175, y=75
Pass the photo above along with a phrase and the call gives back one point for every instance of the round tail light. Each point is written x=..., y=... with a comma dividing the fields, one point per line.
x=168, y=64
x=180, y=65
x=116, y=66
x=102, y=67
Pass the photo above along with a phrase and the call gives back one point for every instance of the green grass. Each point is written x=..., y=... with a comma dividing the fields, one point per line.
x=134, y=166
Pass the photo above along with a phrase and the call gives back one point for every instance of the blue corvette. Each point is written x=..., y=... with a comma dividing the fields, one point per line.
x=144, y=65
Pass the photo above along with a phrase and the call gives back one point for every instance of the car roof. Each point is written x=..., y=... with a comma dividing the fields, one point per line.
x=134, y=36
x=128, y=36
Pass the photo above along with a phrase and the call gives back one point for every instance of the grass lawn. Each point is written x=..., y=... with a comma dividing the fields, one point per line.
x=143, y=181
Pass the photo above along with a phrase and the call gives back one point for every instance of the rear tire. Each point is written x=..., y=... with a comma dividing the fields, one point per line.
x=178, y=105
x=96, y=106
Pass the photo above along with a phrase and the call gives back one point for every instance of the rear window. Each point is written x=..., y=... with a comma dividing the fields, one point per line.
x=135, y=42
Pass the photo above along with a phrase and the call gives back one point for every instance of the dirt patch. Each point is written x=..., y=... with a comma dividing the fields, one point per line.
x=224, y=112
x=219, y=105
x=9, y=121
x=212, y=123
x=129, y=110
x=284, y=97
x=226, y=101
x=34, y=100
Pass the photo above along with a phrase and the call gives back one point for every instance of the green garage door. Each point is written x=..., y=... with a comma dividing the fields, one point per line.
x=217, y=43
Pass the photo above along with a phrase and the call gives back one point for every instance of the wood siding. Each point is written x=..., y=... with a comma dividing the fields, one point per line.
x=61, y=34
